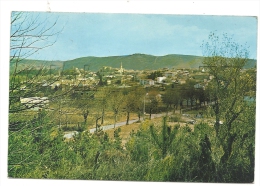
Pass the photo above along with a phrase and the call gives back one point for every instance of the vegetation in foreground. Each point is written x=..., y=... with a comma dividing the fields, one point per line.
x=152, y=153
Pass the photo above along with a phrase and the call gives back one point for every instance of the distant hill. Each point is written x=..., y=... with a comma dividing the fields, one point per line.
x=141, y=62
x=37, y=64
x=134, y=62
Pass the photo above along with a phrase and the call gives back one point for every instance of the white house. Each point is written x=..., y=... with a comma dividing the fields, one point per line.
x=147, y=82
x=33, y=102
x=160, y=79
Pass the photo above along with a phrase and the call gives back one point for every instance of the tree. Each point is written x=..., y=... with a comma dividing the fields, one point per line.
x=189, y=92
x=225, y=60
x=139, y=94
x=205, y=163
x=28, y=36
x=154, y=75
x=115, y=103
x=102, y=97
x=100, y=76
x=171, y=98
x=130, y=105
x=133, y=102
x=152, y=100
x=200, y=96
x=85, y=104
x=164, y=137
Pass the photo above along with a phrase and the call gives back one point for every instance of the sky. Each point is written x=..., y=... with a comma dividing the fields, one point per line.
x=116, y=34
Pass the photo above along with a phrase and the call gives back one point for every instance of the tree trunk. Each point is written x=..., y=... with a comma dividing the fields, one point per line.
x=115, y=120
x=97, y=123
x=227, y=148
x=85, y=115
x=127, y=118
x=216, y=125
x=66, y=121
x=103, y=115
x=150, y=113
x=167, y=110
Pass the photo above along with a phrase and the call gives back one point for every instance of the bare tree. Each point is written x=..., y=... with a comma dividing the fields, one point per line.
x=28, y=36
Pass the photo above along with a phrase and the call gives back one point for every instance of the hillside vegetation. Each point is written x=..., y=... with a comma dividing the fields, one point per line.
x=134, y=61
x=137, y=62
x=36, y=64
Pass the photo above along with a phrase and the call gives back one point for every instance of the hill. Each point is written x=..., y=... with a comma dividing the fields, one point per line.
x=134, y=62
x=37, y=64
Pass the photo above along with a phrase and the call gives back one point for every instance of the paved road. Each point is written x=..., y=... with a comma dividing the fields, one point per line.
x=106, y=127
x=119, y=124
x=71, y=134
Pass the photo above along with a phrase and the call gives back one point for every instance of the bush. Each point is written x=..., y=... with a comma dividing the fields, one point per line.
x=175, y=118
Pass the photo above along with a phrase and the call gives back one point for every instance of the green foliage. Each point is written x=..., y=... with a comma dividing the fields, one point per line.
x=165, y=137
x=117, y=138
x=175, y=118
x=171, y=98
x=138, y=146
x=205, y=163
x=159, y=169
x=154, y=75
x=71, y=72
x=34, y=147
x=135, y=62
x=151, y=154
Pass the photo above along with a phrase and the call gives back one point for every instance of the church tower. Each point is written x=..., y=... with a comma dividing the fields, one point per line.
x=121, y=70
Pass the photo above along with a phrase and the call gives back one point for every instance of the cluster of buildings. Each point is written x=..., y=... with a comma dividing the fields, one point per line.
x=179, y=76
x=119, y=77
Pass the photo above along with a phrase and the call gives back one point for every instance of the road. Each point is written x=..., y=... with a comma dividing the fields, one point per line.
x=71, y=134
x=106, y=127
x=119, y=124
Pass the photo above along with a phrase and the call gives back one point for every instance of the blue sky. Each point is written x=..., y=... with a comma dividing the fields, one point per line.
x=89, y=34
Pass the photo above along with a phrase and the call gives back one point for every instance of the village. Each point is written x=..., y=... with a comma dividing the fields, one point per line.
x=189, y=84
x=82, y=80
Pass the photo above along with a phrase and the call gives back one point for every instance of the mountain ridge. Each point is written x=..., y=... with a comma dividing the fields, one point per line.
x=135, y=61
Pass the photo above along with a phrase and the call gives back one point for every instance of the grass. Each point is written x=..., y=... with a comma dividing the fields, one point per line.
x=127, y=129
